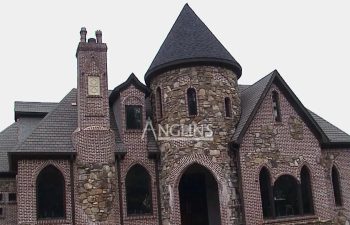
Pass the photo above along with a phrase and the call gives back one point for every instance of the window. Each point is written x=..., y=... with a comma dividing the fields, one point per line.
x=286, y=196
x=266, y=193
x=138, y=191
x=336, y=187
x=12, y=197
x=2, y=213
x=1, y=197
x=228, y=107
x=192, y=102
x=50, y=194
x=276, y=107
x=133, y=116
x=306, y=192
x=159, y=104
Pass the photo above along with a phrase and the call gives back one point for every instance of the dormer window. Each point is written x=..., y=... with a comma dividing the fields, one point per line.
x=133, y=116
x=228, y=107
x=159, y=104
x=276, y=107
x=192, y=102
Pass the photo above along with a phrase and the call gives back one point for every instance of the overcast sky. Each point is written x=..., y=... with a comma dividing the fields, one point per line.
x=308, y=42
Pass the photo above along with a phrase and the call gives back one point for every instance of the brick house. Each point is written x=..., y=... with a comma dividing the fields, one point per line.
x=93, y=157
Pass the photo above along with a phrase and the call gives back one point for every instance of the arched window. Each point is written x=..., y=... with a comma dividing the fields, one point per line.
x=50, y=194
x=159, y=104
x=266, y=193
x=306, y=191
x=192, y=101
x=286, y=196
x=336, y=187
x=228, y=107
x=276, y=107
x=138, y=191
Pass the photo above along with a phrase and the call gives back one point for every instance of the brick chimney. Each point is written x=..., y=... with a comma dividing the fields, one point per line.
x=93, y=140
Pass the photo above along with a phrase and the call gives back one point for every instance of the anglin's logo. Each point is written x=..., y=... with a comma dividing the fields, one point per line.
x=179, y=132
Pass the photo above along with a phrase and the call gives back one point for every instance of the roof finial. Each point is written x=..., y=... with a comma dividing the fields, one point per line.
x=83, y=33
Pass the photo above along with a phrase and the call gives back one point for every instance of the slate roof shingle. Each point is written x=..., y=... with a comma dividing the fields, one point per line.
x=190, y=41
x=8, y=140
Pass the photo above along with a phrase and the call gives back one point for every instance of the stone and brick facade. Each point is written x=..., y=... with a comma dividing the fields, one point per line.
x=230, y=150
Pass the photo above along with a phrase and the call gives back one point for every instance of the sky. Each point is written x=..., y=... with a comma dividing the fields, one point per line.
x=308, y=42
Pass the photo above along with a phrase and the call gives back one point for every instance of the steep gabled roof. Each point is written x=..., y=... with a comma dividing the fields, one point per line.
x=132, y=80
x=253, y=96
x=190, y=41
x=54, y=132
x=334, y=134
x=8, y=140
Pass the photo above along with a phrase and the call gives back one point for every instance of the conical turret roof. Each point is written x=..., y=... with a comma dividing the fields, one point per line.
x=191, y=42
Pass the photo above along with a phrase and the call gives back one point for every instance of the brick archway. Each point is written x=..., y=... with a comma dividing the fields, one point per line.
x=213, y=169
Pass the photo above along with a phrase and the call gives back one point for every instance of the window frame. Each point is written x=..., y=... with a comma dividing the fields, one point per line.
x=126, y=117
x=276, y=108
x=337, y=190
x=63, y=198
x=149, y=189
x=189, y=110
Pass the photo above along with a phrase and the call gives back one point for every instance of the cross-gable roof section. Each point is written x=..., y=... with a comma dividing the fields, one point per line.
x=190, y=41
x=132, y=80
x=253, y=96
x=53, y=133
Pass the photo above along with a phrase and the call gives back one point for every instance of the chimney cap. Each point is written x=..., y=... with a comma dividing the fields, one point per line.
x=92, y=40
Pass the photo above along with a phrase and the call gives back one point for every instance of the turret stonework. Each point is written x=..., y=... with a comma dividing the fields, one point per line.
x=212, y=85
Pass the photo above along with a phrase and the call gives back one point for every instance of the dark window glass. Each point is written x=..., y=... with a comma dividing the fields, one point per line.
x=12, y=197
x=306, y=191
x=192, y=101
x=228, y=107
x=133, y=116
x=138, y=191
x=266, y=191
x=1, y=197
x=50, y=194
x=286, y=196
x=276, y=107
x=336, y=187
x=159, y=103
x=1, y=212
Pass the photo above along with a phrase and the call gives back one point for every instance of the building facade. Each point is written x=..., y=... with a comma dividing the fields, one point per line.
x=191, y=146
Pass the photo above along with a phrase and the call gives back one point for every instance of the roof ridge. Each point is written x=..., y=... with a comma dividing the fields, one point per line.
x=20, y=144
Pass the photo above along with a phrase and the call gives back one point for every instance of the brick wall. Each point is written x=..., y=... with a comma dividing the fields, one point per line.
x=9, y=217
x=26, y=189
x=285, y=153
x=136, y=148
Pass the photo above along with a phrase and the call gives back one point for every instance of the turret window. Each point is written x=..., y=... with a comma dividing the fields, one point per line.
x=228, y=107
x=192, y=102
x=276, y=107
x=133, y=114
x=159, y=103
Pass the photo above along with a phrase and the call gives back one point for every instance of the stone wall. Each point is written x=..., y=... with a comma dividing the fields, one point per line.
x=284, y=148
x=212, y=85
x=7, y=186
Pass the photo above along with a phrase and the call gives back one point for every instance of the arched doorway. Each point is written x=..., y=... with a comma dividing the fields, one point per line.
x=199, y=197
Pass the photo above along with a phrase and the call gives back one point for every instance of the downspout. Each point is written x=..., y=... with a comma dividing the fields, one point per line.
x=160, y=222
x=72, y=188
x=120, y=191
